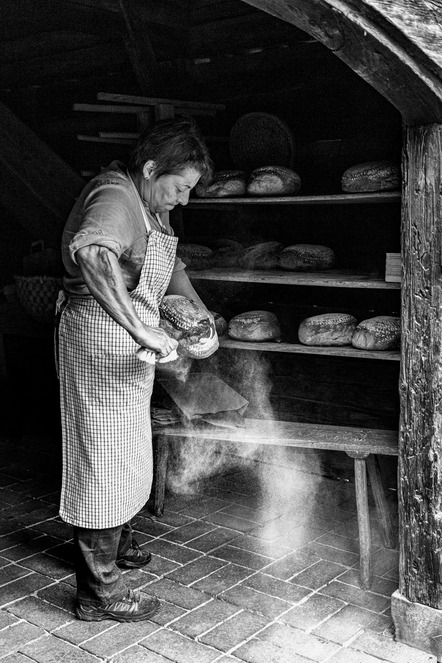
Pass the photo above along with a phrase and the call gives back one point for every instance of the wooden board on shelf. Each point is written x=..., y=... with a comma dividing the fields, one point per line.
x=332, y=278
x=297, y=348
x=327, y=199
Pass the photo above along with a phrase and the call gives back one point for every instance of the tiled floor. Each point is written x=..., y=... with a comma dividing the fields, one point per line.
x=260, y=565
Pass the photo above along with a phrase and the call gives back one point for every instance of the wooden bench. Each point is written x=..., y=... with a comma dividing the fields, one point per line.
x=361, y=444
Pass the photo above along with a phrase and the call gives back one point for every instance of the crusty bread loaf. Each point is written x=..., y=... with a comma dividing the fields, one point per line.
x=254, y=326
x=383, y=332
x=273, y=181
x=226, y=253
x=225, y=183
x=195, y=256
x=190, y=324
x=264, y=255
x=306, y=257
x=371, y=176
x=327, y=329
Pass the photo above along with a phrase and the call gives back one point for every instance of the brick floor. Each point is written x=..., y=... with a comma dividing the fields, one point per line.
x=245, y=572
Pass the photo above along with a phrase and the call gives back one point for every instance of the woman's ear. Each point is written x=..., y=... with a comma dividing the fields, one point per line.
x=148, y=169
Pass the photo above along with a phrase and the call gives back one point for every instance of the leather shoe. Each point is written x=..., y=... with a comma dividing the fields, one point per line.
x=131, y=608
x=135, y=558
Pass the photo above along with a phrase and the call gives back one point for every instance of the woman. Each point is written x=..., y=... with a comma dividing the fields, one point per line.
x=119, y=256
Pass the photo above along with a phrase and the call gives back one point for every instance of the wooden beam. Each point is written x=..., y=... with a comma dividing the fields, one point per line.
x=154, y=101
x=371, y=50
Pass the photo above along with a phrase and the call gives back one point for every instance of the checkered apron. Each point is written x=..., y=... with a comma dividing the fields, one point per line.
x=105, y=400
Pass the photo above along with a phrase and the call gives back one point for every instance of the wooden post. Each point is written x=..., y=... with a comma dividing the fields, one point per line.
x=417, y=606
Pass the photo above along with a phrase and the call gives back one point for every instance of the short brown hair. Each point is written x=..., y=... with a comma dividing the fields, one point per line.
x=174, y=144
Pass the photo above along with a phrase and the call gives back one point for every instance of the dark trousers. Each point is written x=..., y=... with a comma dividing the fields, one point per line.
x=99, y=580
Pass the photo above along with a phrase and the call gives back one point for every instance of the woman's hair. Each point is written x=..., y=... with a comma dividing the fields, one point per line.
x=173, y=144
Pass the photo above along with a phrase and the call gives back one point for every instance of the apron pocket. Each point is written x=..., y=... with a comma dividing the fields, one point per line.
x=119, y=381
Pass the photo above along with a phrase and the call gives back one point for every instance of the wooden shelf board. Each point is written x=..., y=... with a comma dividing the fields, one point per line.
x=329, y=199
x=297, y=348
x=328, y=279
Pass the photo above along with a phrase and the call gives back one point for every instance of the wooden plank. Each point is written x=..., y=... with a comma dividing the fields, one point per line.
x=372, y=51
x=297, y=348
x=154, y=101
x=139, y=48
x=135, y=110
x=363, y=523
x=329, y=199
x=332, y=278
x=420, y=466
x=290, y=434
x=104, y=139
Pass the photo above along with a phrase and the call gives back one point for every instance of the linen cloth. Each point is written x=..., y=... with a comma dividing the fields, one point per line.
x=105, y=395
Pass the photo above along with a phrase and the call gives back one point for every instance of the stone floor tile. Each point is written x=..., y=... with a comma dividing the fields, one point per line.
x=260, y=515
x=194, y=571
x=385, y=561
x=303, y=644
x=312, y=612
x=138, y=578
x=249, y=599
x=250, y=560
x=256, y=651
x=48, y=566
x=151, y=526
x=115, y=640
x=22, y=587
x=319, y=574
x=55, y=528
x=172, y=551
x=25, y=539
x=234, y=631
x=54, y=649
x=61, y=595
x=14, y=637
x=40, y=613
x=174, y=519
x=345, y=624
x=356, y=596
x=379, y=585
x=292, y=564
x=384, y=646
x=338, y=541
x=332, y=554
x=138, y=654
x=352, y=656
x=205, y=507
x=168, y=613
x=214, y=539
x=204, y=618
x=12, y=572
x=188, y=532
x=266, y=548
x=7, y=619
x=233, y=522
x=173, y=592
x=78, y=631
x=159, y=566
x=275, y=587
x=15, y=658
x=226, y=577
x=175, y=647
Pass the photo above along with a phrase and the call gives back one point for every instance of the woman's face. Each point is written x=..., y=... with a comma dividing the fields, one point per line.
x=167, y=191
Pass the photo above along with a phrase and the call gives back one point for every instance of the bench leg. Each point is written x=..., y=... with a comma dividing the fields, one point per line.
x=388, y=537
x=161, y=448
x=363, y=522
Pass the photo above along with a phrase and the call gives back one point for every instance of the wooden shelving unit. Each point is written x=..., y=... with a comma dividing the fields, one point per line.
x=329, y=199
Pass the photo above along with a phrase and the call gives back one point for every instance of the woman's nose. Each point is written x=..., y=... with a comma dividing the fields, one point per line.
x=183, y=198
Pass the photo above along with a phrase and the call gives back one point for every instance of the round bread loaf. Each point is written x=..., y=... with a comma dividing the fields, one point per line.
x=307, y=257
x=226, y=253
x=254, y=326
x=225, y=183
x=273, y=181
x=371, y=176
x=264, y=255
x=190, y=324
x=327, y=329
x=383, y=332
x=195, y=256
x=220, y=323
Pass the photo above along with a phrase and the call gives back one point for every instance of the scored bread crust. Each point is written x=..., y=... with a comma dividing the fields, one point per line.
x=327, y=329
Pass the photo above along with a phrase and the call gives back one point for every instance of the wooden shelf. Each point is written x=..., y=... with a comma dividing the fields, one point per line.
x=329, y=199
x=329, y=279
x=297, y=348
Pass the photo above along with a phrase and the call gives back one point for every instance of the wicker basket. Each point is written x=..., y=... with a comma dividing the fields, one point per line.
x=261, y=139
x=38, y=296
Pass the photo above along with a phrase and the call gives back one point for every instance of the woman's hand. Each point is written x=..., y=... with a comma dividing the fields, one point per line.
x=156, y=340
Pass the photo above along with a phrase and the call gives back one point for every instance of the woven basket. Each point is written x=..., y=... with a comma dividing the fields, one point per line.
x=261, y=139
x=38, y=296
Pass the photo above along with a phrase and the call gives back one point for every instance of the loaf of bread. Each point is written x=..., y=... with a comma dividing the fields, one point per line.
x=382, y=332
x=195, y=256
x=327, y=329
x=264, y=255
x=306, y=257
x=255, y=326
x=273, y=181
x=371, y=176
x=225, y=183
x=226, y=253
x=190, y=324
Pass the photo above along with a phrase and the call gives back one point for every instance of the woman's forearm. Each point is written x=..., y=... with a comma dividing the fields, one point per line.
x=180, y=285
